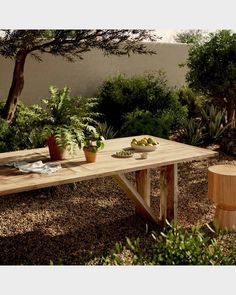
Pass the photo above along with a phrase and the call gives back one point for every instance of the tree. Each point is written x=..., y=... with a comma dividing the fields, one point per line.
x=190, y=37
x=70, y=44
x=212, y=69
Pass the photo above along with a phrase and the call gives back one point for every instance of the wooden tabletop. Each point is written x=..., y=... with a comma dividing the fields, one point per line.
x=76, y=169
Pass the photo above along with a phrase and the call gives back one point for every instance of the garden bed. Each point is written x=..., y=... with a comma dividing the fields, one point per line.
x=74, y=223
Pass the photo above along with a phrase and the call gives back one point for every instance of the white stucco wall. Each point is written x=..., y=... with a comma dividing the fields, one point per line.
x=84, y=76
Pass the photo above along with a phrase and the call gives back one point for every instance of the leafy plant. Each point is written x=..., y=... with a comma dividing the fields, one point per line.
x=106, y=130
x=212, y=69
x=192, y=132
x=215, y=122
x=193, y=100
x=92, y=139
x=172, y=246
x=122, y=98
x=66, y=117
x=21, y=133
x=144, y=122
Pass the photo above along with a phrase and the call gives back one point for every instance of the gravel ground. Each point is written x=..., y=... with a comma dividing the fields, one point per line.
x=71, y=223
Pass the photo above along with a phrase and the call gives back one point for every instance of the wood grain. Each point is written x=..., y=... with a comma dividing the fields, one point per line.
x=168, y=193
x=142, y=207
x=77, y=169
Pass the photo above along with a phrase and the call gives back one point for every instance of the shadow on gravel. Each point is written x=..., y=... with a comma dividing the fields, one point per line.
x=36, y=248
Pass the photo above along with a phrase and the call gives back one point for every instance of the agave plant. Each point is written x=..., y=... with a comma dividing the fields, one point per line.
x=215, y=122
x=192, y=132
x=106, y=131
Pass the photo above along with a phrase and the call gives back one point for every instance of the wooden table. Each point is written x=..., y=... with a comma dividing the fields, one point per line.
x=167, y=156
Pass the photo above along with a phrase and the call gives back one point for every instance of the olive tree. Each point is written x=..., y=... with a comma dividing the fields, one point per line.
x=70, y=44
x=212, y=69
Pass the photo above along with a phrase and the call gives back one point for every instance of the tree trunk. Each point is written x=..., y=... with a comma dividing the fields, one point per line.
x=231, y=113
x=16, y=87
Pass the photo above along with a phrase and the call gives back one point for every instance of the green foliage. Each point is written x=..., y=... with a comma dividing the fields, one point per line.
x=92, y=139
x=192, y=132
x=194, y=101
x=66, y=117
x=21, y=133
x=106, y=130
x=208, y=128
x=122, y=99
x=60, y=115
x=73, y=43
x=173, y=246
x=190, y=37
x=143, y=122
x=212, y=69
x=215, y=123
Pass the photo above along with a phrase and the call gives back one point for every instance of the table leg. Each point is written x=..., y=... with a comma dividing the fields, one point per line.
x=142, y=178
x=168, y=193
x=144, y=210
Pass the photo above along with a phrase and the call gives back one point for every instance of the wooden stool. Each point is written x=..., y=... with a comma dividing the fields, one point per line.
x=222, y=191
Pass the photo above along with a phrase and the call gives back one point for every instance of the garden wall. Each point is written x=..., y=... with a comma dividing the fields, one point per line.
x=84, y=76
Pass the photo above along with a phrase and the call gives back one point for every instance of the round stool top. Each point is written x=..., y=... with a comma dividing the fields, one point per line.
x=229, y=170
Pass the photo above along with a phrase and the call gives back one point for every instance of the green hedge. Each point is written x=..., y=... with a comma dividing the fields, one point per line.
x=130, y=104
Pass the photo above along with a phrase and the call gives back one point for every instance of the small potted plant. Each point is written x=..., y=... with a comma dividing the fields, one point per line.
x=63, y=121
x=92, y=143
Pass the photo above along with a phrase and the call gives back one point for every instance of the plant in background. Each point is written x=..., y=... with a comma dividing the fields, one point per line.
x=105, y=130
x=20, y=134
x=215, y=123
x=192, y=132
x=212, y=70
x=193, y=100
x=119, y=97
x=144, y=122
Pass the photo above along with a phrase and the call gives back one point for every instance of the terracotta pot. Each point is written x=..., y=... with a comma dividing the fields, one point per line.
x=55, y=152
x=90, y=156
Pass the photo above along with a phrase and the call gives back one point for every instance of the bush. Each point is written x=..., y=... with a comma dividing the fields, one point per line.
x=192, y=100
x=173, y=246
x=143, y=122
x=123, y=99
x=20, y=134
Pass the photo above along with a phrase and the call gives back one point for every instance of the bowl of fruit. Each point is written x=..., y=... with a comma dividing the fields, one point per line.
x=144, y=144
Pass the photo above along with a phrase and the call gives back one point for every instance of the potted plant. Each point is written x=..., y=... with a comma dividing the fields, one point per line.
x=63, y=121
x=92, y=142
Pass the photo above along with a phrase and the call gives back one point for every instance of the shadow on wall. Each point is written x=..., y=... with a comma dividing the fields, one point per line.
x=83, y=77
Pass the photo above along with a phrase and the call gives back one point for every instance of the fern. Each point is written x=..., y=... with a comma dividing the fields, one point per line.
x=66, y=117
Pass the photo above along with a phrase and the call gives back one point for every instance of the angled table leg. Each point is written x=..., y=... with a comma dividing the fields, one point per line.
x=168, y=193
x=142, y=207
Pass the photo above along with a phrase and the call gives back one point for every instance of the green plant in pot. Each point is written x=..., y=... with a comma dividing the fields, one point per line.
x=64, y=119
x=92, y=143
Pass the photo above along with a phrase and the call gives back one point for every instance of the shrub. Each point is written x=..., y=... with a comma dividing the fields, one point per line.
x=173, y=246
x=122, y=98
x=20, y=133
x=192, y=100
x=144, y=122
x=212, y=69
